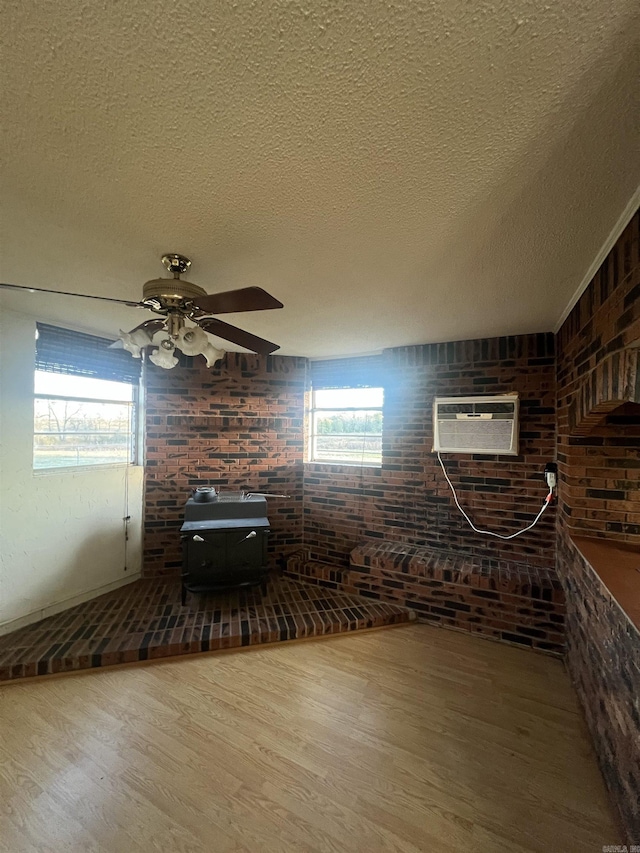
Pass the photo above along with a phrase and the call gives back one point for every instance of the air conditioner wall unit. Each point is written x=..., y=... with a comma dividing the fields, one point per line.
x=483, y=424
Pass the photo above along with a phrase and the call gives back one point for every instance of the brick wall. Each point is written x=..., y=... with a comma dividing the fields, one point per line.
x=603, y=658
x=598, y=429
x=408, y=500
x=238, y=425
x=599, y=462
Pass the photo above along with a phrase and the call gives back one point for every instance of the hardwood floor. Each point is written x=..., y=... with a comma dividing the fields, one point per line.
x=410, y=739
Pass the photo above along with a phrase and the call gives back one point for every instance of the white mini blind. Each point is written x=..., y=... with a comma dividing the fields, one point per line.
x=357, y=372
x=79, y=354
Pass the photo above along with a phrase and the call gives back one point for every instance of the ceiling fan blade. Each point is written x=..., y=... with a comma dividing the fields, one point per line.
x=245, y=299
x=64, y=293
x=237, y=336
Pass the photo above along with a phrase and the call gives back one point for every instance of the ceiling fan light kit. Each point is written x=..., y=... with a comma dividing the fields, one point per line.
x=179, y=301
x=193, y=340
x=135, y=341
x=163, y=356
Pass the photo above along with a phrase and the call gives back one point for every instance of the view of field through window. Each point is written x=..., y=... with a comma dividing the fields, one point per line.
x=346, y=426
x=82, y=421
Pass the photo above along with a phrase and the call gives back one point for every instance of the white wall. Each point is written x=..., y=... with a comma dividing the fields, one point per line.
x=62, y=533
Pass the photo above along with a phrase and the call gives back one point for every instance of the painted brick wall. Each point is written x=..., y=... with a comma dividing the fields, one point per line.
x=238, y=425
x=599, y=462
x=599, y=456
x=408, y=500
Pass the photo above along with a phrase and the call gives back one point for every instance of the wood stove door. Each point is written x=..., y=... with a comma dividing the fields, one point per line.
x=205, y=557
x=247, y=549
x=224, y=558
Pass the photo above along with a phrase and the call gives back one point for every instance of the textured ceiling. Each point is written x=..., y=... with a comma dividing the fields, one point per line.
x=394, y=172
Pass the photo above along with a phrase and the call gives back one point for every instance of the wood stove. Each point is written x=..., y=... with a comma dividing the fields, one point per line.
x=224, y=542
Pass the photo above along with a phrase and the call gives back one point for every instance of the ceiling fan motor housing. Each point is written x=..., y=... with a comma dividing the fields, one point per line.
x=171, y=293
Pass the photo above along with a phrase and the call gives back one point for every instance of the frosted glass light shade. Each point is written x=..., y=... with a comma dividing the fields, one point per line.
x=212, y=354
x=135, y=341
x=162, y=357
x=193, y=340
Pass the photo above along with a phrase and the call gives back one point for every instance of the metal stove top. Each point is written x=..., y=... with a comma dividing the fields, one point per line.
x=228, y=509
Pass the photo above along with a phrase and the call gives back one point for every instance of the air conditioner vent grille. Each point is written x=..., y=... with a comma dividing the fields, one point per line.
x=486, y=424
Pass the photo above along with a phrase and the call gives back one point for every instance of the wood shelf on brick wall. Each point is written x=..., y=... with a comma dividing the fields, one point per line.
x=618, y=566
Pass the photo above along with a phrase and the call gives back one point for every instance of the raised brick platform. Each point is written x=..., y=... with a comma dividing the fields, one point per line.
x=145, y=620
x=506, y=601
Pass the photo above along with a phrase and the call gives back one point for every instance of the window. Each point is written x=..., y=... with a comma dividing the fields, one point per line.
x=82, y=421
x=345, y=418
x=85, y=401
x=346, y=426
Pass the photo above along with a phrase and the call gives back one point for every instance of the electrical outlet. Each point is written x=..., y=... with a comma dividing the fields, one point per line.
x=551, y=475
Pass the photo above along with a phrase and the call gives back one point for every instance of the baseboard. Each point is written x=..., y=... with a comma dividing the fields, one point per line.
x=59, y=606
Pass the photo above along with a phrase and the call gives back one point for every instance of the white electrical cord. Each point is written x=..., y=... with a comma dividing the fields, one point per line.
x=546, y=503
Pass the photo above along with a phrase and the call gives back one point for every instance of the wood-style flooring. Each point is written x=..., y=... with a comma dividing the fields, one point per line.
x=411, y=739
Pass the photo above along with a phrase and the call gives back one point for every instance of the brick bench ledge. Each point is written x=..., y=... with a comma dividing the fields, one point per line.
x=500, y=600
x=453, y=567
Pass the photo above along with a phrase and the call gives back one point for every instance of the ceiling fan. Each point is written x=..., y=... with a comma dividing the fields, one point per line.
x=177, y=301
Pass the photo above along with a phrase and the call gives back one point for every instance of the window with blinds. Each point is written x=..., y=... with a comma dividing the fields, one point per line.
x=345, y=419
x=85, y=401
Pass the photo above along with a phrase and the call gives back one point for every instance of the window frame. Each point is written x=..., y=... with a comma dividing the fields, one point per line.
x=135, y=442
x=312, y=434
x=90, y=360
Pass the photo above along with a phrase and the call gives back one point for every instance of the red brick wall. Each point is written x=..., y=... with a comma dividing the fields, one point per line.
x=408, y=500
x=599, y=462
x=599, y=457
x=603, y=659
x=238, y=425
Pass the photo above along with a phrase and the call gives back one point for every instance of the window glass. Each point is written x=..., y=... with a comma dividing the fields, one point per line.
x=346, y=426
x=80, y=421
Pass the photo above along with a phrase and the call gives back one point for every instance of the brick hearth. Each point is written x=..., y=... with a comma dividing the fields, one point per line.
x=145, y=620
